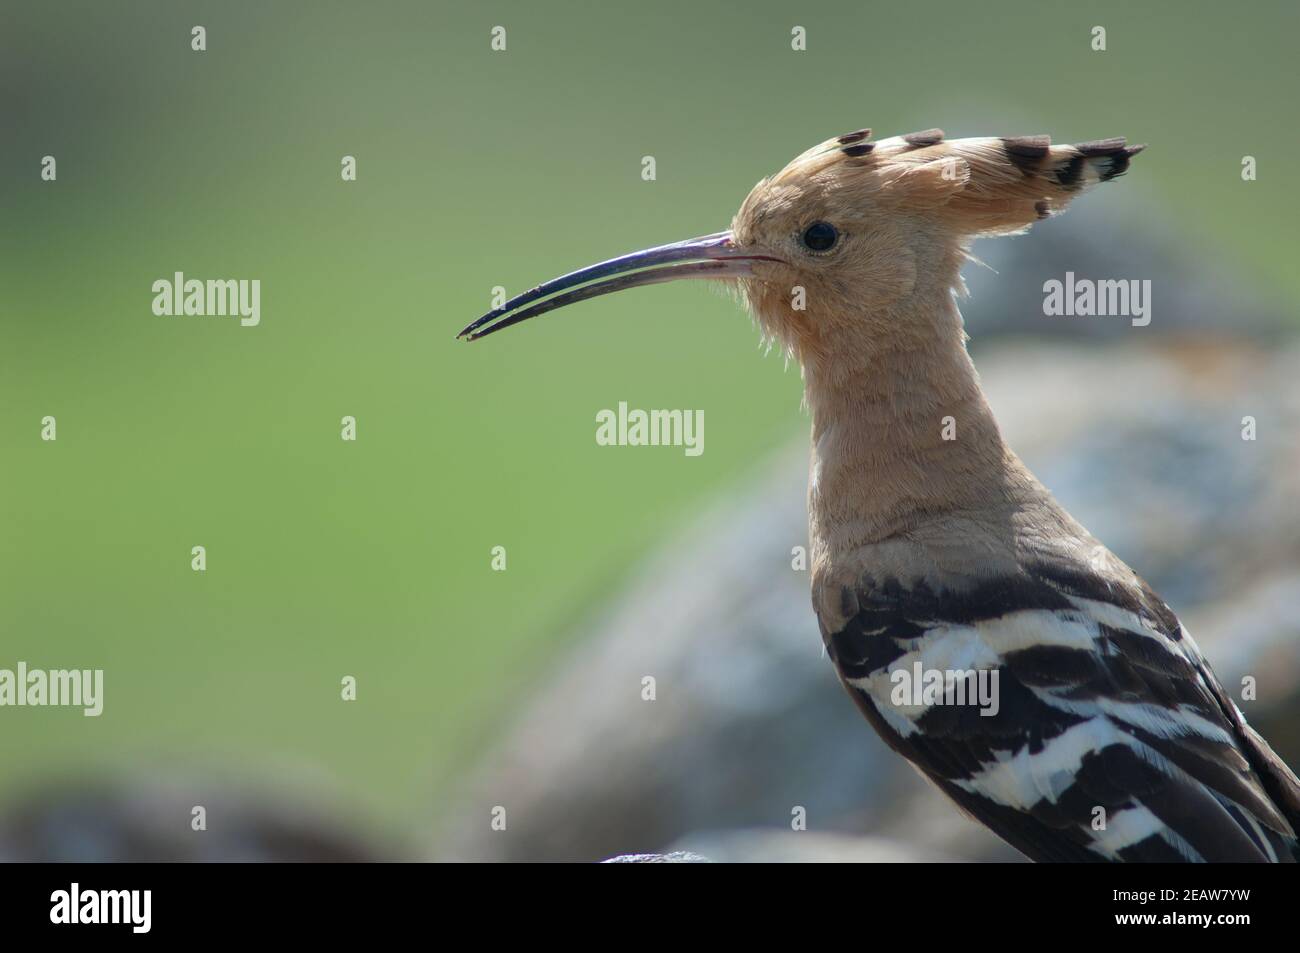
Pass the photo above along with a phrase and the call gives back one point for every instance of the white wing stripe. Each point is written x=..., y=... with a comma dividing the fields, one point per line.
x=1021, y=780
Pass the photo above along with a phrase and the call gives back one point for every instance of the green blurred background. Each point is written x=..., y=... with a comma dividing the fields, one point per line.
x=475, y=169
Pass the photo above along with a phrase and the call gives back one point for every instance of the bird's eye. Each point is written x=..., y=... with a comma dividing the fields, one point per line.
x=820, y=236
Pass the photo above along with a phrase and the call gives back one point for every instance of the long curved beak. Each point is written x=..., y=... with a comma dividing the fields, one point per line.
x=709, y=256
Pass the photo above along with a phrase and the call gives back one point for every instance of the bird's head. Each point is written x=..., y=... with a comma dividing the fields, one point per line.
x=829, y=251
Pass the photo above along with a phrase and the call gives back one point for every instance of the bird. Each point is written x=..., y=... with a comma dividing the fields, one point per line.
x=1094, y=729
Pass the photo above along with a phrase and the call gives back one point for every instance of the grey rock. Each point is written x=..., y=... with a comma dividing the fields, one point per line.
x=1191, y=289
x=147, y=819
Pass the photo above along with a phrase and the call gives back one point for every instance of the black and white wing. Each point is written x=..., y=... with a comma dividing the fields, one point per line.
x=1112, y=740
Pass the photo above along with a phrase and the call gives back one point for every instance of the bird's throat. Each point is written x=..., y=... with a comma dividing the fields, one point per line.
x=901, y=437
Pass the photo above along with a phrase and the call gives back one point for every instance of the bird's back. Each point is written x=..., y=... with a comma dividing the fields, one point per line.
x=1108, y=737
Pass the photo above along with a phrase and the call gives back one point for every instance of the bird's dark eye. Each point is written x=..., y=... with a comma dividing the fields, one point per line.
x=820, y=236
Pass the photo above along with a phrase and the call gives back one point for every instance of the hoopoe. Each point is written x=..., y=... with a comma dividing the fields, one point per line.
x=934, y=549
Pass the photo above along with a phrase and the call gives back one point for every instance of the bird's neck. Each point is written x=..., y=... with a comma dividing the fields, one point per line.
x=901, y=433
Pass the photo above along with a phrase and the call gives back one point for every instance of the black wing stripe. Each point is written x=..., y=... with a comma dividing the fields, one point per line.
x=1139, y=600
x=1197, y=816
x=1025, y=832
x=858, y=654
x=1219, y=767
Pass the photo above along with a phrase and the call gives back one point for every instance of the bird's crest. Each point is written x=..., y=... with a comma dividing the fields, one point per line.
x=984, y=186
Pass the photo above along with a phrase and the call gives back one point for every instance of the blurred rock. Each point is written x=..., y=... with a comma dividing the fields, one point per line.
x=1107, y=237
x=142, y=821
x=1142, y=443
